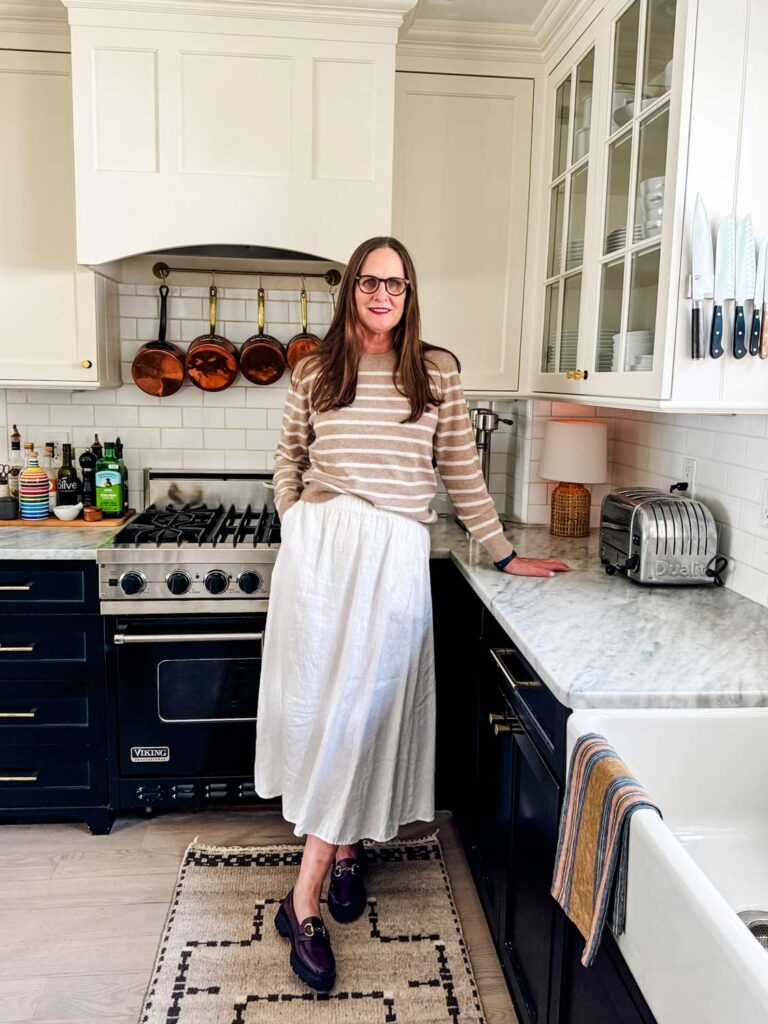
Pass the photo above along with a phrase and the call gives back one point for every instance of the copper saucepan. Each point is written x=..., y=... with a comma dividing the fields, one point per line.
x=211, y=360
x=262, y=357
x=303, y=342
x=158, y=366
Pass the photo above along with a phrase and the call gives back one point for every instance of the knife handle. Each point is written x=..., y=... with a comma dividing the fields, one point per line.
x=716, y=338
x=696, y=350
x=764, y=333
x=754, y=336
x=739, y=334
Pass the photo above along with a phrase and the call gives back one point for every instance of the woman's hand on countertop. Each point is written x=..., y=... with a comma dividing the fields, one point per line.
x=535, y=566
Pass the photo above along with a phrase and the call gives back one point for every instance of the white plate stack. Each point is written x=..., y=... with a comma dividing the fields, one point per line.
x=638, y=352
x=569, y=343
x=617, y=238
x=607, y=358
x=650, y=211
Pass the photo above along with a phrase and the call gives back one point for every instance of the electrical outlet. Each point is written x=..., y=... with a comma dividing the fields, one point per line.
x=764, y=503
x=689, y=475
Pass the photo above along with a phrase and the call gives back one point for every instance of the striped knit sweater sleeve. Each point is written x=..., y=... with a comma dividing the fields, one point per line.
x=459, y=464
x=364, y=449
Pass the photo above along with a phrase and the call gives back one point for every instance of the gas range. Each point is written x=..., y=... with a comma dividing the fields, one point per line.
x=205, y=543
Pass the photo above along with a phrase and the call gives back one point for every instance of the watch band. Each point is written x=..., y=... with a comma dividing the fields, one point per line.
x=503, y=562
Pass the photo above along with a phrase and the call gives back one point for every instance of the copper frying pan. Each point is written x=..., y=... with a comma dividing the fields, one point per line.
x=303, y=342
x=262, y=357
x=158, y=366
x=211, y=361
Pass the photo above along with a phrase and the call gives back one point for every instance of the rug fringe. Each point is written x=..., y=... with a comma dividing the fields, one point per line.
x=280, y=847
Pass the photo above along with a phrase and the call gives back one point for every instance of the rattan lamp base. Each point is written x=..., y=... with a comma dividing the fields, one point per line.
x=570, y=511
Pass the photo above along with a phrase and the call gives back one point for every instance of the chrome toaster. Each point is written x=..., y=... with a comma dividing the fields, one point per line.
x=654, y=537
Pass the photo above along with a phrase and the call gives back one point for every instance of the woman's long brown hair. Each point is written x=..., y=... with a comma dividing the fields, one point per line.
x=338, y=356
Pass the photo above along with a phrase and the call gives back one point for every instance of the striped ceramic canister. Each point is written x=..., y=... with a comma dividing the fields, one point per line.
x=33, y=490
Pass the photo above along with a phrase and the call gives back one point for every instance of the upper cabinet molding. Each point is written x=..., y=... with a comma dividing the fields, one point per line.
x=33, y=25
x=299, y=17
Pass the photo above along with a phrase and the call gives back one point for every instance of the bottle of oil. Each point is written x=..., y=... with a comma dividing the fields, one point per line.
x=68, y=483
x=109, y=483
x=123, y=471
x=16, y=463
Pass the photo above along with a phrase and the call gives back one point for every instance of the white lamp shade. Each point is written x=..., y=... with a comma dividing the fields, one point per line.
x=575, y=451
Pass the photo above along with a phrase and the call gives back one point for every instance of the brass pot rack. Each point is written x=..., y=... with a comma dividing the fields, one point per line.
x=332, y=277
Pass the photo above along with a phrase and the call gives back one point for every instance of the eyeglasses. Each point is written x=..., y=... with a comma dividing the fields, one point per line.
x=394, y=285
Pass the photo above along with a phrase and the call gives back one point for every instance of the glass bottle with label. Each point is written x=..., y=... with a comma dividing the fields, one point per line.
x=16, y=463
x=123, y=471
x=96, y=447
x=68, y=483
x=33, y=490
x=29, y=447
x=51, y=472
x=88, y=466
x=109, y=483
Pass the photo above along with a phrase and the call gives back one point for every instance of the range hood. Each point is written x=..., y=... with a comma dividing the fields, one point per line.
x=232, y=123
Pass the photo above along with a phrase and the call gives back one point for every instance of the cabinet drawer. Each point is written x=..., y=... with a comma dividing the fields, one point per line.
x=50, y=647
x=51, y=775
x=59, y=587
x=541, y=712
x=42, y=712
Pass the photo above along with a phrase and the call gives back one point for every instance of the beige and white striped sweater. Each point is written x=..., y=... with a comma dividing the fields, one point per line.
x=363, y=450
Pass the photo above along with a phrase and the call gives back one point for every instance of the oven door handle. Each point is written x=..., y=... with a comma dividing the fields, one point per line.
x=177, y=638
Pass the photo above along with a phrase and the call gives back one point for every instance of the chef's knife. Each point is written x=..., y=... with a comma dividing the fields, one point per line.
x=764, y=324
x=702, y=273
x=745, y=282
x=757, y=312
x=725, y=275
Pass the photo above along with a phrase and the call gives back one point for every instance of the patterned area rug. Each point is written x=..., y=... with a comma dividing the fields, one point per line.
x=222, y=961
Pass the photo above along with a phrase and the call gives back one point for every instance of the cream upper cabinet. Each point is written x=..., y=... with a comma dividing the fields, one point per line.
x=657, y=101
x=460, y=205
x=237, y=124
x=59, y=319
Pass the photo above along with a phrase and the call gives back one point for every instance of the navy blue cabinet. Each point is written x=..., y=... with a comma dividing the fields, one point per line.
x=507, y=769
x=53, y=742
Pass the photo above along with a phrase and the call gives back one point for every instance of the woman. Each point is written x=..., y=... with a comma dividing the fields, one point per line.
x=346, y=712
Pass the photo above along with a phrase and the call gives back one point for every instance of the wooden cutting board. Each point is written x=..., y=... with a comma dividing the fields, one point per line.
x=53, y=521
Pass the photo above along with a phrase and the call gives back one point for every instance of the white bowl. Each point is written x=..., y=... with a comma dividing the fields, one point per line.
x=67, y=512
x=652, y=185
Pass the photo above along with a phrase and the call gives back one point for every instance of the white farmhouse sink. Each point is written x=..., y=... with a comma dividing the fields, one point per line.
x=692, y=873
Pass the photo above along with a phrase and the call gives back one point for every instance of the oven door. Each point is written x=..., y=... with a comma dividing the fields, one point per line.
x=186, y=694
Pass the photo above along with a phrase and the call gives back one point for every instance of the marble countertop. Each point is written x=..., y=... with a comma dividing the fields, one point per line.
x=604, y=641
x=595, y=640
x=54, y=542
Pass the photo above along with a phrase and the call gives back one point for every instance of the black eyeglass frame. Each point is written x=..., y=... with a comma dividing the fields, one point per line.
x=381, y=280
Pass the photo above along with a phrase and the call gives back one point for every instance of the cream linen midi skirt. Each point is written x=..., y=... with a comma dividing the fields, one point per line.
x=345, y=727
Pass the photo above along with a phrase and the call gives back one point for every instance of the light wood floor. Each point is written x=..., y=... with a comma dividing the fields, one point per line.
x=81, y=915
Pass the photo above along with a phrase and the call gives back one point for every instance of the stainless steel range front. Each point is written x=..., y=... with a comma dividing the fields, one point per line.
x=206, y=542
x=184, y=593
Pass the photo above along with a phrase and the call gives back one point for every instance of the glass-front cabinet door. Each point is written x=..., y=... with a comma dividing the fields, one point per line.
x=629, y=333
x=607, y=286
x=569, y=186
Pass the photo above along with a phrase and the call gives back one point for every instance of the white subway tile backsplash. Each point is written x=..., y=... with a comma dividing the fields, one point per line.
x=182, y=438
x=159, y=416
x=139, y=305
x=233, y=440
x=28, y=415
x=230, y=398
x=79, y=415
x=203, y=417
x=254, y=419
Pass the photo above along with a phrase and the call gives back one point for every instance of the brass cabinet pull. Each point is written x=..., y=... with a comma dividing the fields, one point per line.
x=86, y=364
x=26, y=649
x=516, y=684
x=576, y=374
x=17, y=586
x=497, y=729
x=18, y=778
x=19, y=714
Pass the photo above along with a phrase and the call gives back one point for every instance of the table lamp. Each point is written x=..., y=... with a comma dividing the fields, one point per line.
x=575, y=453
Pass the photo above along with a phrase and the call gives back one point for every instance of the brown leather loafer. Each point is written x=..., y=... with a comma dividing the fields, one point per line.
x=311, y=954
x=347, y=898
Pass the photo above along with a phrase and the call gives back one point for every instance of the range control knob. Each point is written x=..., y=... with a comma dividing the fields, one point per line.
x=132, y=582
x=178, y=582
x=216, y=582
x=249, y=581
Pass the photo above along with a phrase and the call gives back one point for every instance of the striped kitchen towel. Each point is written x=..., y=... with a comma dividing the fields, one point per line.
x=593, y=847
